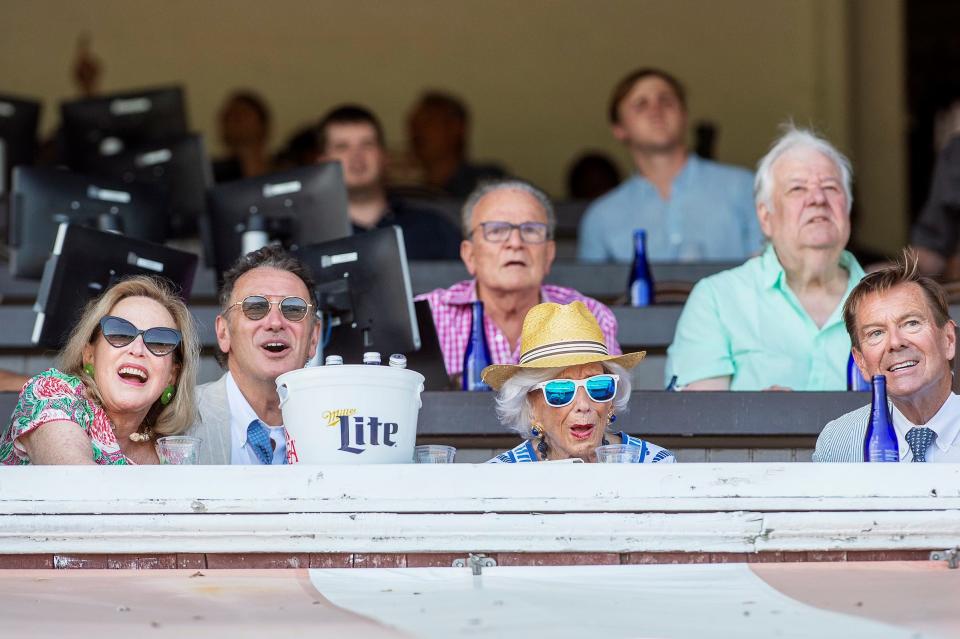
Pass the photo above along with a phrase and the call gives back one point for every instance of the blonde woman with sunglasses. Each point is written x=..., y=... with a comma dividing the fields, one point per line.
x=563, y=396
x=126, y=376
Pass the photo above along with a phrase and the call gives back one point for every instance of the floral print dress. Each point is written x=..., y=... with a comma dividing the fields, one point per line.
x=55, y=396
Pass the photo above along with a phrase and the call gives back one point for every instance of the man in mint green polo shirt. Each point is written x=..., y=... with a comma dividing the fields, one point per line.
x=776, y=322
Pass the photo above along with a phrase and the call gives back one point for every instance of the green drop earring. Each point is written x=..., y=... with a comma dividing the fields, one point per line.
x=88, y=369
x=167, y=394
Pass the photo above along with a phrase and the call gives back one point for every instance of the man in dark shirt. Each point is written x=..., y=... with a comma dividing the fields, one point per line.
x=936, y=233
x=244, y=132
x=353, y=136
x=439, y=126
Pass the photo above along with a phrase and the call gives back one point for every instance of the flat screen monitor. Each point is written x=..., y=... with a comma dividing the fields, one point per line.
x=42, y=198
x=364, y=293
x=18, y=133
x=110, y=124
x=299, y=206
x=86, y=262
x=180, y=167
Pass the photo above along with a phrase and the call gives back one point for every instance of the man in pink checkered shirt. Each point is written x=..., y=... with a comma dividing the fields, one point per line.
x=508, y=226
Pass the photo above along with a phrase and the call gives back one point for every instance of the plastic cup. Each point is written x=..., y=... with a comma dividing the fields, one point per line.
x=618, y=454
x=179, y=449
x=434, y=454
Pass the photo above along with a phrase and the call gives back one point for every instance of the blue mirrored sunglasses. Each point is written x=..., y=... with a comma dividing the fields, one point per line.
x=560, y=392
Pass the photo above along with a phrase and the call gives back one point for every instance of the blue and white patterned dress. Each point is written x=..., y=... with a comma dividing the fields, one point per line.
x=649, y=453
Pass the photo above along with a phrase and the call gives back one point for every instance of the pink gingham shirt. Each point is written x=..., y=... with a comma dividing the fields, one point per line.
x=451, y=308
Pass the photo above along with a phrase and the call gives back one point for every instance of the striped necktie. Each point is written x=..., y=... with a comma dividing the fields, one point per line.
x=919, y=439
x=259, y=440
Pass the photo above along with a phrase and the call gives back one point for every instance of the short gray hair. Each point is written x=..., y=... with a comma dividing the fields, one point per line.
x=513, y=405
x=794, y=138
x=489, y=187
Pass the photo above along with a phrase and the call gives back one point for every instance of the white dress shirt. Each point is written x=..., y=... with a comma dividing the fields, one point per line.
x=241, y=414
x=946, y=424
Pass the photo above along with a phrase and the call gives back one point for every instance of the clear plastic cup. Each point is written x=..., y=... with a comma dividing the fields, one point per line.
x=179, y=449
x=618, y=454
x=434, y=454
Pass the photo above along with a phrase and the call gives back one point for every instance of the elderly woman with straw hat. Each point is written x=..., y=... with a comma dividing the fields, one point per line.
x=563, y=395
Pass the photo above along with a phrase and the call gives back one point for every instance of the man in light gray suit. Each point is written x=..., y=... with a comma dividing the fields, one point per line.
x=900, y=327
x=268, y=325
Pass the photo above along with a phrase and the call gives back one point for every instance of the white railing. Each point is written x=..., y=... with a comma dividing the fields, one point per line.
x=481, y=508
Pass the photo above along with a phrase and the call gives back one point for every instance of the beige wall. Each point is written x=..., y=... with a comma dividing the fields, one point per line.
x=536, y=73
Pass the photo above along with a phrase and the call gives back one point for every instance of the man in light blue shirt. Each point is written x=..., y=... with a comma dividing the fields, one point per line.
x=776, y=321
x=691, y=208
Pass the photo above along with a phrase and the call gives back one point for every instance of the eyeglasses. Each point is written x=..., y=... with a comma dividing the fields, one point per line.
x=560, y=392
x=530, y=232
x=256, y=307
x=159, y=340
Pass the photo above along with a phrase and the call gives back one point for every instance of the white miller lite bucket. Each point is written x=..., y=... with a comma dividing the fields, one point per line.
x=351, y=414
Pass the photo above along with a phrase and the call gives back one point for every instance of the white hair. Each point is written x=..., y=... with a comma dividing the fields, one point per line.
x=794, y=139
x=510, y=184
x=513, y=403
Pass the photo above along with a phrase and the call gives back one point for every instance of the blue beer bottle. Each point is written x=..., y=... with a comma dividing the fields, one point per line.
x=640, y=286
x=855, y=380
x=880, y=443
x=477, y=355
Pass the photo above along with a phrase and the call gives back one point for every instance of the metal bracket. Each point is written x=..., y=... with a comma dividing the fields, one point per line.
x=950, y=555
x=476, y=563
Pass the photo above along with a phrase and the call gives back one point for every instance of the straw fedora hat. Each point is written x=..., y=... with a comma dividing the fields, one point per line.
x=558, y=336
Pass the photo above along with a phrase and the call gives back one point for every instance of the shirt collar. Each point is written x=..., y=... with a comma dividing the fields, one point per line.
x=241, y=413
x=463, y=293
x=466, y=293
x=774, y=276
x=687, y=175
x=945, y=423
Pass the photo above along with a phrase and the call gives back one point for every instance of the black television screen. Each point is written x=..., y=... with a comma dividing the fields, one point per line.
x=18, y=133
x=86, y=262
x=299, y=206
x=43, y=198
x=110, y=124
x=180, y=167
x=363, y=290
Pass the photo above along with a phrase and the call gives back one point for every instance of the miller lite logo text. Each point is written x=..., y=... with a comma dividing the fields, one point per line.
x=357, y=432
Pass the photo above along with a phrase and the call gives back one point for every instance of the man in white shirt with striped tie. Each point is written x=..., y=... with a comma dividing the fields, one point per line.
x=900, y=327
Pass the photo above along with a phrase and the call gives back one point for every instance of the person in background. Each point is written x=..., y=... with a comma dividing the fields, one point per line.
x=244, y=132
x=126, y=376
x=300, y=149
x=691, y=208
x=352, y=135
x=775, y=322
x=439, y=127
x=900, y=327
x=562, y=395
x=591, y=175
x=267, y=326
x=937, y=231
x=508, y=250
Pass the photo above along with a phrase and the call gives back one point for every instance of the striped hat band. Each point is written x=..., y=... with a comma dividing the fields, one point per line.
x=564, y=348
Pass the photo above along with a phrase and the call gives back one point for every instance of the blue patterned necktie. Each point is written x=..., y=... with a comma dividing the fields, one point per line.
x=259, y=440
x=919, y=439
